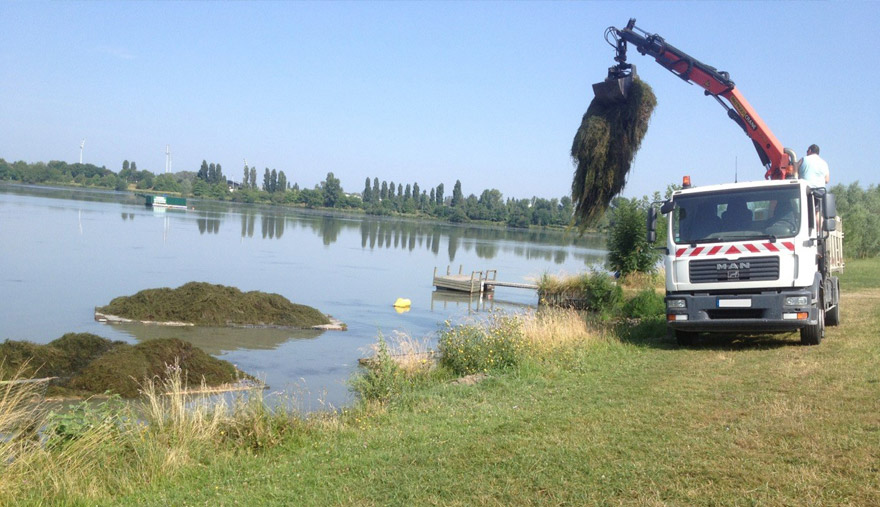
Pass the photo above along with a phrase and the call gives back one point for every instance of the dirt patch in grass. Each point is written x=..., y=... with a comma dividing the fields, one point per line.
x=205, y=304
x=86, y=364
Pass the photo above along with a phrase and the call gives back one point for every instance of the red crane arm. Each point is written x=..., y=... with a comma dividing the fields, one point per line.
x=778, y=161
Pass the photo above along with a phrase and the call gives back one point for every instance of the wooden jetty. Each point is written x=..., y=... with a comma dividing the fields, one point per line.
x=476, y=282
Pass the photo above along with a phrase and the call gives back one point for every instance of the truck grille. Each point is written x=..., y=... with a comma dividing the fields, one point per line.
x=726, y=270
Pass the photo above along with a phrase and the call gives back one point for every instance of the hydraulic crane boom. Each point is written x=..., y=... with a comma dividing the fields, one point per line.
x=778, y=161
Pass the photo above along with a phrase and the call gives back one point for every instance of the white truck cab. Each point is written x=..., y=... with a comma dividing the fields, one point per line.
x=753, y=257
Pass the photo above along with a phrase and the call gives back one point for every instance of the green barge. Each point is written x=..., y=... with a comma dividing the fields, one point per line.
x=163, y=201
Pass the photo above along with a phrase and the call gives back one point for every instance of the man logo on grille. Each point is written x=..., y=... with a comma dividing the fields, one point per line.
x=721, y=266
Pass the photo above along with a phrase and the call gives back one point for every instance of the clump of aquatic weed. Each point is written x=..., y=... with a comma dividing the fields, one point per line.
x=213, y=305
x=604, y=147
x=118, y=370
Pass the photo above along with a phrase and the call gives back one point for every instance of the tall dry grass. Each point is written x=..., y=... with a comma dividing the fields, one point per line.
x=551, y=329
x=96, y=450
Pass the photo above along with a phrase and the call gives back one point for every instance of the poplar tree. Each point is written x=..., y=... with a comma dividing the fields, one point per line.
x=282, y=182
x=367, y=197
x=457, y=196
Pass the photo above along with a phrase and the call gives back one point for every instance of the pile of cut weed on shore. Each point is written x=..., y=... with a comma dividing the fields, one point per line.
x=85, y=364
x=206, y=304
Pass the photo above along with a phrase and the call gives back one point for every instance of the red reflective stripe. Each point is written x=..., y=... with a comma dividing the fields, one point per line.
x=732, y=250
x=714, y=250
x=679, y=252
x=771, y=247
x=789, y=245
x=751, y=248
x=696, y=251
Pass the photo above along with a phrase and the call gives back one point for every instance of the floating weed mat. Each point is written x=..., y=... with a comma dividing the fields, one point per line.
x=205, y=304
x=604, y=148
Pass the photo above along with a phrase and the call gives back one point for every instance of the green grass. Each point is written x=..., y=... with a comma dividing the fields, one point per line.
x=860, y=274
x=214, y=305
x=587, y=418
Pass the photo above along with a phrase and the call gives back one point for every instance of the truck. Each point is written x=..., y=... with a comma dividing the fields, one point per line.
x=746, y=257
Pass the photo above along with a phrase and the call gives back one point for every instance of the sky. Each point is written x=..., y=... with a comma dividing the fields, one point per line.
x=488, y=93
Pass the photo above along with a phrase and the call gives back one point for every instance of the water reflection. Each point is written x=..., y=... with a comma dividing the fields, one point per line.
x=220, y=340
x=487, y=243
x=209, y=222
x=446, y=300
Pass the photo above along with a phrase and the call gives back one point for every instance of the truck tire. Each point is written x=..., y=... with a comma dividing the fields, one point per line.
x=812, y=335
x=685, y=338
x=832, y=315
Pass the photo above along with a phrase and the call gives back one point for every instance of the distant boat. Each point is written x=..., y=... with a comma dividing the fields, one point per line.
x=162, y=201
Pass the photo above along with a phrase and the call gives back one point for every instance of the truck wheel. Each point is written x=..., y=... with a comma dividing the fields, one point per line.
x=685, y=338
x=832, y=315
x=812, y=335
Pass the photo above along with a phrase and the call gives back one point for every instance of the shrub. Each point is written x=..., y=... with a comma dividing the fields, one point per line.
x=601, y=292
x=628, y=247
x=380, y=380
x=596, y=292
x=646, y=304
x=473, y=348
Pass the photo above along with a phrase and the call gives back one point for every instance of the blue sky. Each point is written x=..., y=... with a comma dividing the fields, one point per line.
x=490, y=93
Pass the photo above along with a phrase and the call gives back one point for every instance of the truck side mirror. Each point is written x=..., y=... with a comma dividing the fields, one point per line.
x=829, y=224
x=667, y=207
x=652, y=224
x=829, y=206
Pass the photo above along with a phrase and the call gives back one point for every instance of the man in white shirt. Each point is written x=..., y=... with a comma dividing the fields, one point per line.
x=813, y=169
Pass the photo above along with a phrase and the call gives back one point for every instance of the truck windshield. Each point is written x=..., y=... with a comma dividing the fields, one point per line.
x=736, y=215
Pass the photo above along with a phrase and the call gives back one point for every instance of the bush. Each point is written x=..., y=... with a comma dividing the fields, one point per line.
x=601, y=292
x=596, y=291
x=646, y=304
x=380, y=380
x=473, y=348
x=628, y=247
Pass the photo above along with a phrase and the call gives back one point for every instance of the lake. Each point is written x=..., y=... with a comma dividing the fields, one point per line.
x=66, y=251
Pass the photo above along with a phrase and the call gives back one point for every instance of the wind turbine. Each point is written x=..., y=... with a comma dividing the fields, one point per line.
x=167, y=159
x=83, y=143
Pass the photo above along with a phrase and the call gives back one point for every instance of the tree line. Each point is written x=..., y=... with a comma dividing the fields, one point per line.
x=859, y=207
x=377, y=197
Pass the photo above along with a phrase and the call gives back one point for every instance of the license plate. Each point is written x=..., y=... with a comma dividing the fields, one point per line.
x=734, y=303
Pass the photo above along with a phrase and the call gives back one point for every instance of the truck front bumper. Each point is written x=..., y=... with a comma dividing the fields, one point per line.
x=764, y=312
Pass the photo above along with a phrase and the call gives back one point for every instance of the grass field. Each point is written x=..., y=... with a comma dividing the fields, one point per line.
x=589, y=420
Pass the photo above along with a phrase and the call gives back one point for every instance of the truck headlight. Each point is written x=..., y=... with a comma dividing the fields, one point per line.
x=796, y=301
x=676, y=303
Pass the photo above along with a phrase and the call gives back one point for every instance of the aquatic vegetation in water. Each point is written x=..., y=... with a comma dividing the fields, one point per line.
x=206, y=304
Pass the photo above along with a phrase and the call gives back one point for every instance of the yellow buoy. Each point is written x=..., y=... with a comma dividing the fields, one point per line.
x=402, y=303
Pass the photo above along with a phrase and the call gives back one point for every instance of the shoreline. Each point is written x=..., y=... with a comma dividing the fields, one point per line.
x=334, y=325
